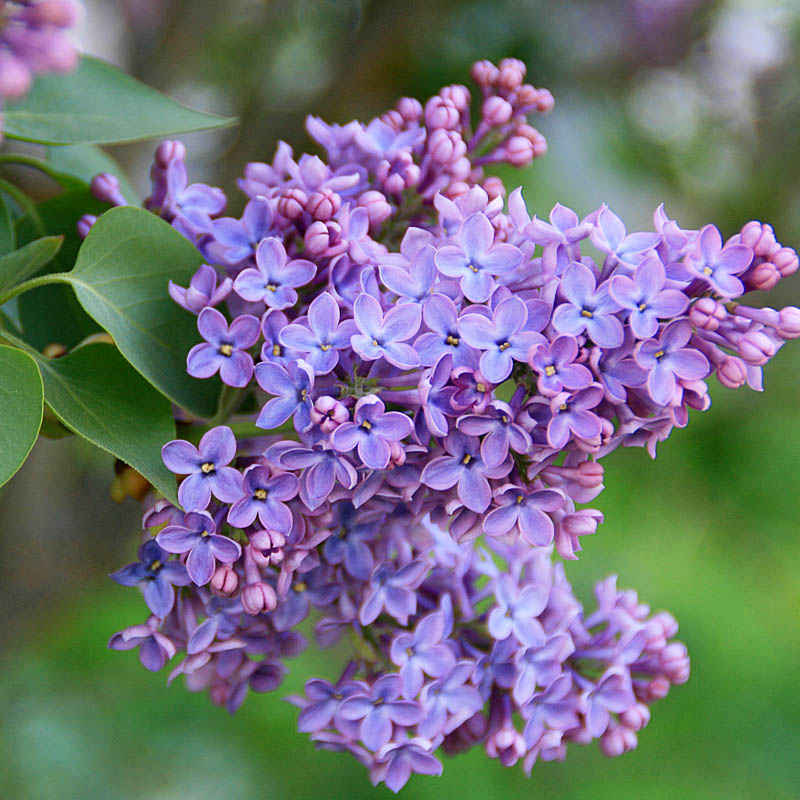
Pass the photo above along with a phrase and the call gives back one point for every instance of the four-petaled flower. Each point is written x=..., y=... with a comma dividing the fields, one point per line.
x=293, y=387
x=709, y=261
x=384, y=336
x=264, y=497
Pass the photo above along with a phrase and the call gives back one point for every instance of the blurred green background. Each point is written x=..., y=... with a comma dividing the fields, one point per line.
x=690, y=102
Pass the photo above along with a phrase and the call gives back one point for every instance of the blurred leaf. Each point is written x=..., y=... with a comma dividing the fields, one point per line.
x=84, y=161
x=120, y=279
x=97, y=394
x=99, y=104
x=7, y=240
x=21, y=406
x=28, y=260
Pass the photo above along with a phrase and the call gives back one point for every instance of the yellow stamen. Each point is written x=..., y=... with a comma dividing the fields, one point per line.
x=271, y=287
x=658, y=354
x=586, y=313
x=452, y=340
x=207, y=467
x=472, y=267
x=325, y=347
x=467, y=458
x=562, y=407
x=276, y=350
x=550, y=370
x=260, y=494
x=226, y=349
x=504, y=346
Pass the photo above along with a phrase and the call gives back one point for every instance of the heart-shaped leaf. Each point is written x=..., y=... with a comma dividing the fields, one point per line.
x=99, y=104
x=21, y=406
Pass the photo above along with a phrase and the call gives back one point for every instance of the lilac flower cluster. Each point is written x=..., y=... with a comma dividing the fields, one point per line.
x=438, y=377
x=33, y=41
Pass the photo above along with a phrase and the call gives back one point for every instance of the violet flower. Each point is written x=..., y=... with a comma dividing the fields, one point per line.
x=324, y=702
x=712, y=263
x=610, y=236
x=516, y=611
x=224, y=348
x=372, y=431
x=272, y=323
x=441, y=316
x=155, y=649
x=196, y=203
x=667, y=359
x=265, y=496
x=383, y=336
x=499, y=432
x=527, y=510
x=347, y=543
x=198, y=536
x=449, y=701
x=556, y=367
x=540, y=666
x=571, y=414
x=275, y=280
x=206, y=468
x=613, y=692
x=476, y=258
x=241, y=237
x=156, y=575
x=391, y=589
x=293, y=387
x=202, y=291
x=320, y=344
x=402, y=759
x=415, y=283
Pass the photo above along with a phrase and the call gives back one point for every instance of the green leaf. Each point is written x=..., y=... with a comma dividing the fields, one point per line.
x=84, y=161
x=28, y=260
x=21, y=406
x=121, y=278
x=99, y=104
x=7, y=240
x=97, y=394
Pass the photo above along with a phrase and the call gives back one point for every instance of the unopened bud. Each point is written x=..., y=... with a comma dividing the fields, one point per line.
x=224, y=581
x=731, y=372
x=258, y=597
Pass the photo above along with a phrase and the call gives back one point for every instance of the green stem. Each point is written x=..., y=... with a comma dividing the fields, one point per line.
x=24, y=202
x=33, y=283
x=33, y=163
x=229, y=400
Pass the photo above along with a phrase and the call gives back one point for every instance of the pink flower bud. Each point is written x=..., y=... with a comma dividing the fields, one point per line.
x=526, y=96
x=378, y=208
x=394, y=119
x=458, y=95
x=582, y=523
x=60, y=13
x=668, y=623
x=267, y=548
x=494, y=187
x=518, y=151
x=789, y=323
x=321, y=236
x=461, y=169
x=731, y=372
x=398, y=454
x=512, y=73
x=84, y=225
x=292, y=203
x=762, y=277
x=759, y=237
x=169, y=151
x=224, y=581
x=496, y=111
x=706, y=314
x=657, y=689
x=105, y=187
x=484, y=73
x=446, y=146
x=410, y=109
x=675, y=662
x=329, y=413
x=323, y=204
x=786, y=261
x=545, y=101
x=258, y=597
x=635, y=718
x=15, y=77
x=590, y=474
x=441, y=113
x=756, y=348
x=617, y=740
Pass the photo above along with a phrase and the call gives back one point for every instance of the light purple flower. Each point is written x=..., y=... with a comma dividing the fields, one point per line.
x=379, y=709
x=587, y=308
x=540, y=666
x=571, y=414
x=422, y=652
x=516, y=611
x=272, y=323
x=196, y=203
x=275, y=280
x=155, y=649
x=241, y=237
x=441, y=316
x=528, y=510
x=502, y=339
x=555, y=708
x=436, y=396
x=402, y=759
x=476, y=258
x=324, y=702
x=564, y=227
x=617, y=369
x=613, y=692
x=392, y=589
x=224, y=348
x=372, y=431
x=347, y=543
x=206, y=468
x=293, y=387
x=156, y=575
x=609, y=236
x=265, y=496
x=667, y=359
x=645, y=297
x=555, y=364
x=449, y=702
x=202, y=291
x=320, y=344
x=415, y=283
x=198, y=537
x=709, y=261
x=383, y=336
x=499, y=432
x=463, y=466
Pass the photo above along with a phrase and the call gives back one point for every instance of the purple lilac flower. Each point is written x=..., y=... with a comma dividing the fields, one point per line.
x=391, y=589
x=265, y=496
x=712, y=263
x=422, y=652
x=610, y=236
x=449, y=701
x=195, y=203
x=415, y=283
x=555, y=364
x=516, y=611
x=553, y=708
x=206, y=468
x=383, y=336
x=503, y=339
x=572, y=414
x=155, y=649
x=463, y=466
x=325, y=702
x=156, y=575
x=198, y=536
x=321, y=344
x=348, y=543
x=645, y=297
x=399, y=760
x=275, y=280
x=564, y=227
x=613, y=692
x=224, y=348
x=372, y=431
x=272, y=323
x=587, y=308
x=540, y=666
x=242, y=237
x=436, y=396
x=667, y=359
x=617, y=369
x=292, y=387
x=527, y=510
x=203, y=290
x=379, y=709
x=476, y=258
x=499, y=432
x=316, y=586
x=441, y=316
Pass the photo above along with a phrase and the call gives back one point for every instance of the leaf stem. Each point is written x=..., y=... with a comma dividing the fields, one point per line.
x=24, y=202
x=33, y=283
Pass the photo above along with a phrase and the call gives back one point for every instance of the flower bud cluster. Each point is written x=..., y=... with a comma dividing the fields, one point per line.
x=435, y=377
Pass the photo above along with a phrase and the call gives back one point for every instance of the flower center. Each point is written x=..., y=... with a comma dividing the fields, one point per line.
x=472, y=267
x=325, y=347
x=707, y=271
x=366, y=425
x=205, y=534
x=451, y=340
x=260, y=494
x=271, y=287
x=207, y=468
x=156, y=565
x=467, y=458
x=642, y=306
x=301, y=587
x=481, y=387
x=226, y=350
x=587, y=313
x=658, y=354
x=549, y=370
x=277, y=350
x=504, y=346
x=562, y=407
